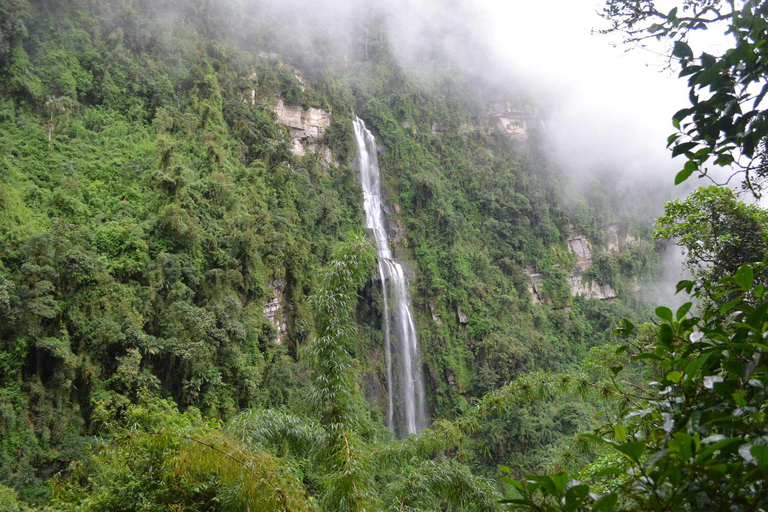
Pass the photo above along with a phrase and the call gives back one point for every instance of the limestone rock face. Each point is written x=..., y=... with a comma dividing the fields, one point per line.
x=435, y=315
x=579, y=284
x=463, y=318
x=613, y=238
x=589, y=288
x=535, y=280
x=515, y=122
x=615, y=243
x=579, y=245
x=307, y=127
x=516, y=128
x=305, y=124
x=274, y=311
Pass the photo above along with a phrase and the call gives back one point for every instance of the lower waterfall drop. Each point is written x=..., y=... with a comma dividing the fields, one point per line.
x=401, y=344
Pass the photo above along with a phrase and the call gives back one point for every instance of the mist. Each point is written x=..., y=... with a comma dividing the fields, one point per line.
x=607, y=109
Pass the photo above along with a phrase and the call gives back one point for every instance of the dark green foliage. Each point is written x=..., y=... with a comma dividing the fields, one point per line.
x=694, y=439
x=142, y=220
x=719, y=232
x=556, y=288
x=165, y=459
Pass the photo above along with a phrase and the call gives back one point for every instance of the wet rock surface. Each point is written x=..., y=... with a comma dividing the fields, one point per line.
x=275, y=312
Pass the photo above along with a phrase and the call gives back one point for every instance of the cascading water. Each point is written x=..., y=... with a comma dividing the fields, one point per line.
x=403, y=350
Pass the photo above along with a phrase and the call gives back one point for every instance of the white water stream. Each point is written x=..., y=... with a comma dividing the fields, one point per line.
x=401, y=344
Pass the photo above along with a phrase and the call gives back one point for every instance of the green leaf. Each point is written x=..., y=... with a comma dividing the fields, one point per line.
x=575, y=496
x=593, y=437
x=681, y=445
x=694, y=366
x=606, y=503
x=673, y=376
x=689, y=168
x=685, y=285
x=728, y=306
x=744, y=277
x=666, y=334
x=633, y=450
x=620, y=432
x=760, y=453
x=682, y=176
x=718, y=446
x=682, y=114
x=543, y=482
x=514, y=483
x=683, y=147
x=683, y=310
x=664, y=313
x=560, y=480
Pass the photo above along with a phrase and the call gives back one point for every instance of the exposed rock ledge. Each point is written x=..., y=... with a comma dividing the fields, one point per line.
x=306, y=124
x=273, y=310
x=307, y=128
x=579, y=245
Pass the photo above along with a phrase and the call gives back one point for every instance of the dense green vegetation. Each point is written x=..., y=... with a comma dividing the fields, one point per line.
x=147, y=211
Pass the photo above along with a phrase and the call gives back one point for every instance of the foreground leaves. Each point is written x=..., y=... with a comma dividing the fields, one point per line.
x=698, y=439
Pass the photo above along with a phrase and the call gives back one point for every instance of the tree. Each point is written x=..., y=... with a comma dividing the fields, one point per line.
x=12, y=26
x=160, y=457
x=695, y=440
x=719, y=232
x=56, y=106
x=725, y=125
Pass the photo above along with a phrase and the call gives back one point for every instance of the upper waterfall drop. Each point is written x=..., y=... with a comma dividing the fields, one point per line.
x=401, y=344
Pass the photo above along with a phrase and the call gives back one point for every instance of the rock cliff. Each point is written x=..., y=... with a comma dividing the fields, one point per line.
x=307, y=129
x=274, y=310
x=578, y=283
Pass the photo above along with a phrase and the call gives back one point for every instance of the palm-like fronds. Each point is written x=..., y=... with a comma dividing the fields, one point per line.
x=256, y=481
x=434, y=485
x=265, y=427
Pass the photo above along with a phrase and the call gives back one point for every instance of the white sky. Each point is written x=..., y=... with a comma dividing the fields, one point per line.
x=607, y=107
x=611, y=107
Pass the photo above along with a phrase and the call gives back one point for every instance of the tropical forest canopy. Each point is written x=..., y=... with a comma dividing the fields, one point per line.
x=190, y=316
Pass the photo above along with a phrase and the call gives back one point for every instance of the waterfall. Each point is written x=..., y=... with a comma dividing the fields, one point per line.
x=401, y=345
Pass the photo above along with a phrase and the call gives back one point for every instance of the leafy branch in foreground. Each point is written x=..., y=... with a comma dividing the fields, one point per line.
x=725, y=125
x=700, y=441
x=718, y=232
